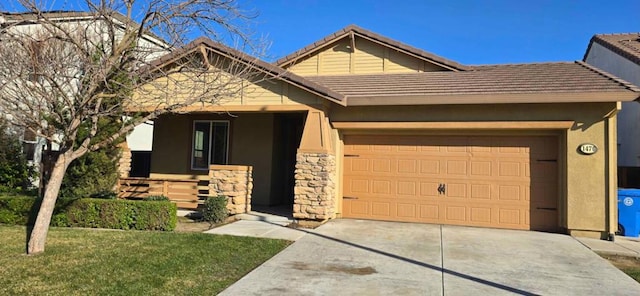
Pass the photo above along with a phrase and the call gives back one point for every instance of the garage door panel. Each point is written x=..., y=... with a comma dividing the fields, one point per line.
x=381, y=208
x=407, y=210
x=429, y=212
x=381, y=165
x=455, y=167
x=429, y=189
x=488, y=181
x=357, y=165
x=407, y=188
x=357, y=186
x=480, y=191
x=429, y=167
x=481, y=168
x=480, y=215
x=356, y=208
x=381, y=187
x=455, y=213
x=408, y=166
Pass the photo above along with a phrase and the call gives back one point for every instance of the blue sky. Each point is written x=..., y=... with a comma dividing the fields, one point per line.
x=467, y=31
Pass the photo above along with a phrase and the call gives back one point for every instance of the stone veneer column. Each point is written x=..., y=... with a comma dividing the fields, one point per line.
x=234, y=182
x=314, y=197
x=124, y=163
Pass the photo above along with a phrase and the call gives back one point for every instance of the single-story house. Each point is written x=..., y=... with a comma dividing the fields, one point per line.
x=357, y=125
x=619, y=54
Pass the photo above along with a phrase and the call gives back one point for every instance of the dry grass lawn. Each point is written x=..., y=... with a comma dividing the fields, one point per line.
x=629, y=265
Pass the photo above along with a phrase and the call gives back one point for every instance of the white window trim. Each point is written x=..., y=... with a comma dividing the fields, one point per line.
x=193, y=128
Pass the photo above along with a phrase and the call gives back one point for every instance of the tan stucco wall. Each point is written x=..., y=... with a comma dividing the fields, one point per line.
x=172, y=146
x=179, y=87
x=368, y=57
x=252, y=144
x=586, y=188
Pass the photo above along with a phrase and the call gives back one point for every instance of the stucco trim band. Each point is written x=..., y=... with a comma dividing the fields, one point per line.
x=457, y=125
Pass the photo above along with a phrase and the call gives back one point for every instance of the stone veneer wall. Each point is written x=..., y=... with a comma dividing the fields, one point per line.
x=124, y=163
x=235, y=182
x=314, y=197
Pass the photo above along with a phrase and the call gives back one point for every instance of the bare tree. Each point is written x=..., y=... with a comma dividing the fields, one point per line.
x=62, y=73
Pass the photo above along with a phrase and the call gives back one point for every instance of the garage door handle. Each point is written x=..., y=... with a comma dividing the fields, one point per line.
x=351, y=155
x=349, y=197
x=441, y=189
x=547, y=160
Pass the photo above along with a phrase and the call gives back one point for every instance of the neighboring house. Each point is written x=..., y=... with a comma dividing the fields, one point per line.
x=139, y=141
x=619, y=54
x=358, y=125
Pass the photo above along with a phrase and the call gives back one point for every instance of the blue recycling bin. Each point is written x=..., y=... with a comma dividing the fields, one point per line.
x=629, y=212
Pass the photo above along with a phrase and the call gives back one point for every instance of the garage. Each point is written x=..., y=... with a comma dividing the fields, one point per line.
x=488, y=181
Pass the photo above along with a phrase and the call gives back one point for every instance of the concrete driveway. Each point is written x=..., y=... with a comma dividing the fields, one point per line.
x=355, y=257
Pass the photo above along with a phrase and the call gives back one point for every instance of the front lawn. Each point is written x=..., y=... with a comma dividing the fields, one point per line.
x=111, y=262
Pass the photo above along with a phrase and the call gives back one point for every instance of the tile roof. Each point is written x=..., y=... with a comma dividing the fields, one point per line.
x=370, y=35
x=627, y=45
x=550, y=78
x=250, y=61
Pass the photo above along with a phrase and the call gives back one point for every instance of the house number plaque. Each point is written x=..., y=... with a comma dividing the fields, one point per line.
x=588, y=148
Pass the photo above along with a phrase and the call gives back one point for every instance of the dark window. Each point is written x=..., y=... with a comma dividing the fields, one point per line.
x=29, y=150
x=210, y=144
x=29, y=144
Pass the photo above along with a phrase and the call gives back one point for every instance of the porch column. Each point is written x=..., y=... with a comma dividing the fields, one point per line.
x=315, y=175
x=124, y=163
x=235, y=182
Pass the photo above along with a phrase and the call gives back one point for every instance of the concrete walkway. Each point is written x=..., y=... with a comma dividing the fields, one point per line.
x=355, y=257
x=623, y=246
x=260, y=224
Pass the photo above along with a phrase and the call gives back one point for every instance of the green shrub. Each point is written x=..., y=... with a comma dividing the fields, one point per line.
x=15, y=210
x=22, y=210
x=94, y=213
x=215, y=209
x=105, y=195
x=93, y=174
x=15, y=172
x=156, y=198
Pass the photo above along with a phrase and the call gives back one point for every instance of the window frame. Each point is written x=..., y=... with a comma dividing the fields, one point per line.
x=193, y=142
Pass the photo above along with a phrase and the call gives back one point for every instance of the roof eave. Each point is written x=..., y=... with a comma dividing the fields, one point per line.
x=494, y=98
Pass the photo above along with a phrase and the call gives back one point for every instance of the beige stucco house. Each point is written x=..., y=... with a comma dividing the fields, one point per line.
x=357, y=125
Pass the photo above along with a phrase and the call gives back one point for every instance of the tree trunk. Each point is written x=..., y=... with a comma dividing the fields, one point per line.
x=41, y=227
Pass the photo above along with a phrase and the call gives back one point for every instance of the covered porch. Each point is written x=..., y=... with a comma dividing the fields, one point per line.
x=256, y=159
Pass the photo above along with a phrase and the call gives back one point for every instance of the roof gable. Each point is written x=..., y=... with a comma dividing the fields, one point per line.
x=351, y=32
x=626, y=45
x=197, y=46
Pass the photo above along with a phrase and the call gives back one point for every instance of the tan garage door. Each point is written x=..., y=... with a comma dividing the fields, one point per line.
x=503, y=182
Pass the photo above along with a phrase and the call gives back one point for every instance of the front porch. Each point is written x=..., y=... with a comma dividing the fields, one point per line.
x=233, y=181
x=255, y=159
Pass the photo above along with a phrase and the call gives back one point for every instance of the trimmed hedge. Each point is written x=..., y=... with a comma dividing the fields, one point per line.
x=94, y=213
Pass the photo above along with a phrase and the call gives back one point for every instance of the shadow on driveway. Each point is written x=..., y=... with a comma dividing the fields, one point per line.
x=355, y=257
